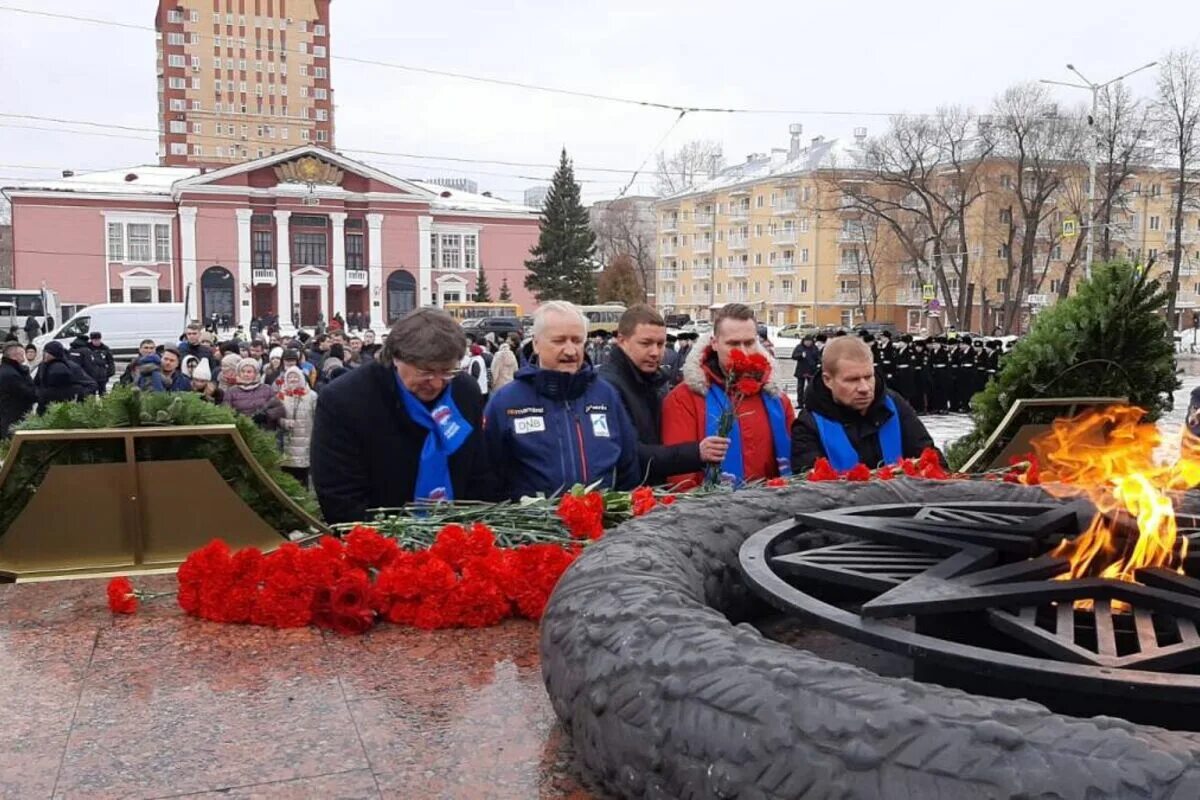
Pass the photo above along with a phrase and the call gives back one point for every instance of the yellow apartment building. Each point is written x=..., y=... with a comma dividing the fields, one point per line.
x=783, y=233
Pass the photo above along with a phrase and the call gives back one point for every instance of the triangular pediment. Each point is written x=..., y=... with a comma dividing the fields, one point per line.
x=307, y=167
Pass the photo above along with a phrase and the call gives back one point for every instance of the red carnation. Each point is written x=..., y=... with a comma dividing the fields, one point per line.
x=122, y=599
x=739, y=361
x=475, y=601
x=541, y=565
x=584, y=516
x=886, y=473
x=667, y=499
x=642, y=500
x=776, y=483
x=822, y=471
x=366, y=548
x=747, y=386
x=859, y=472
x=1026, y=469
x=455, y=545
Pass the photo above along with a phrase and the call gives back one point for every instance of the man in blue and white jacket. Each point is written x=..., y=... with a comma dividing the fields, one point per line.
x=556, y=424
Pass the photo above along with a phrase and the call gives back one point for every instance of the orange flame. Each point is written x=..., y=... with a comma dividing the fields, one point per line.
x=1108, y=456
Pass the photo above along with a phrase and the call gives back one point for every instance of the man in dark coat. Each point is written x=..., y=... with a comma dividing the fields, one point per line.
x=97, y=361
x=962, y=373
x=407, y=426
x=55, y=381
x=851, y=418
x=634, y=369
x=941, y=381
x=808, y=363
x=32, y=329
x=18, y=395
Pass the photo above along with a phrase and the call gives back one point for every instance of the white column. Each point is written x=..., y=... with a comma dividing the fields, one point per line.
x=339, y=264
x=187, y=247
x=425, y=272
x=244, y=277
x=376, y=291
x=283, y=271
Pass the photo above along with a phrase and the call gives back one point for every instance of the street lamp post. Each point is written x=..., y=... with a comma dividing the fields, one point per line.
x=1094, y=88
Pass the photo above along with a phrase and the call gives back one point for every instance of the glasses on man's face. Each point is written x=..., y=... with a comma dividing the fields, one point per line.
x=427, y=376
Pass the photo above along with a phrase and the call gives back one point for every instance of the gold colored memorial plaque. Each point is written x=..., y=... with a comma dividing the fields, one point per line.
x=133, y=516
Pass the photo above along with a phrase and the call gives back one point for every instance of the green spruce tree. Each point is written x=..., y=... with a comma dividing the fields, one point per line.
x=562, y=263
x=505, y=294
x=483, y=292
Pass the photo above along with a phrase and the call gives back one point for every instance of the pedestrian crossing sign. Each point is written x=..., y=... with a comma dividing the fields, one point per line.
x=928, y=292
x=1070, y=228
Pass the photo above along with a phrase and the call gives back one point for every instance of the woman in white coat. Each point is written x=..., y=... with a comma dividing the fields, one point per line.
x=299, y=405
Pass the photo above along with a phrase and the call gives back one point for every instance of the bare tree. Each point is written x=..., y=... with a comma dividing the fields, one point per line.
x=919, y=180
x=625, y=227
x=691, y=163
x=1178, y=110
x=1122, y=131
x=1043, y=148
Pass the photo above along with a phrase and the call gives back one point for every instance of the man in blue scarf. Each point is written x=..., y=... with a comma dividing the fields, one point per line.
x=405, y=428
x=851, y=417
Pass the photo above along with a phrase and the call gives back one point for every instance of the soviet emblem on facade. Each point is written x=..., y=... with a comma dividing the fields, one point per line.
x=309, y=170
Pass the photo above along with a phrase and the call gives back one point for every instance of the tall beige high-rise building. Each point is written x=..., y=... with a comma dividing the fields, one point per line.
x=242, y=79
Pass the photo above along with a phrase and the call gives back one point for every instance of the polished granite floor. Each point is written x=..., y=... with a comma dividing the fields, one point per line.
x=162, y=705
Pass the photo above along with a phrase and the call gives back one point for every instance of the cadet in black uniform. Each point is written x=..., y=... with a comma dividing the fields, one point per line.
x=904, y=381
x=920, y=368
x=962, y=373
x=941, y=378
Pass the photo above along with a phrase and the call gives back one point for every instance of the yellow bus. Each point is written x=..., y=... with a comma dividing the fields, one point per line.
x=603, y=317
x=465, y=311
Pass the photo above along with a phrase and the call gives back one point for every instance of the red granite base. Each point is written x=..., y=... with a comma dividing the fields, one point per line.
x=161, y=705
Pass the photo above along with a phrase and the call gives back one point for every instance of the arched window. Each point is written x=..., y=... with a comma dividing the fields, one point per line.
x=401, y=294
x=216, y=294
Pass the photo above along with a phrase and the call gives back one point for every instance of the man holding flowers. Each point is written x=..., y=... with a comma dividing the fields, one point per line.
x=727, y=392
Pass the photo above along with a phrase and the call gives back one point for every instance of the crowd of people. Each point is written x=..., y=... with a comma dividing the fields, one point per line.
x=431, y=415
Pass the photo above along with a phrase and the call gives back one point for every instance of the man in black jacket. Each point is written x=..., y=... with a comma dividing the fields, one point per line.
x=97, y=361
x=633, y=367
x=407, y=421
x=18, y=395
x=55, y=381
x=850, y=417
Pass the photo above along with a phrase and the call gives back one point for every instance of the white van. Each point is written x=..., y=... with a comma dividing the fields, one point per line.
x=123, y=326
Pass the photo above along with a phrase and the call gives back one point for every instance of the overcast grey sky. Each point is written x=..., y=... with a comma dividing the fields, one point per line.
x=805, y=58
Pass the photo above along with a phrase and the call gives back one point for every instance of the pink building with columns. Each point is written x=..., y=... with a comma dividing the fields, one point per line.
x=294, y=234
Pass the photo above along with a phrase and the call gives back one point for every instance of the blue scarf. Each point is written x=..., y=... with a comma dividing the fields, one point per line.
x=842, y=455
x=733, y=469
x=448, y=431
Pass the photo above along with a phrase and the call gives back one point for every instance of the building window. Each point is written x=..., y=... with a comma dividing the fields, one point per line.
x=138, y=242
x=177, y=83
x=322, y=136
x=1006, y=215
x=322, y=115
x=1001, y=285
x=804, y=224
x=197, y=150
x=354, y=251
x=261, y=250
x=321, y=94
x=116, y=241
x=176, y=61
x=308, y=249
x=304, y=70
x=304, y=48
x=318, y=30
x=196, y=106
x=1054, y=286
x=804, y=286
x=178, y=149
x=803, y=255
x=283, y=133
x=162, y=243
x=198, y=128
x=175, y=38
x=319, y=51
x=304, y=134
x=176, y=104
x=321, y=73
x=1154, y=221
x=174, y=15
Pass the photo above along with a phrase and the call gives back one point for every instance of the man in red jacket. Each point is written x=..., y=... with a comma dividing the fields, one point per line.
x=760, y=443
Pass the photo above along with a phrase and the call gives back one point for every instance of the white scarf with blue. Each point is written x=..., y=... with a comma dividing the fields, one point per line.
x=448, y=431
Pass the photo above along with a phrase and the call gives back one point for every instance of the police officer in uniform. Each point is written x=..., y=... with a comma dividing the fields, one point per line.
x=920, y=367
x=904, y=381
x=962, y=375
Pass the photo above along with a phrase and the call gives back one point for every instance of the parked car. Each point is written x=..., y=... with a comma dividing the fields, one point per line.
x=500, y=326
